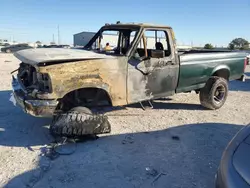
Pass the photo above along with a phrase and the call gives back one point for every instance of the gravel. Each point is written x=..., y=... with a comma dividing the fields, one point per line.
x=176, y=144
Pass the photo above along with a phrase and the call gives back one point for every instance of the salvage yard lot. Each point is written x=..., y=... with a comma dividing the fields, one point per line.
x=178, y=138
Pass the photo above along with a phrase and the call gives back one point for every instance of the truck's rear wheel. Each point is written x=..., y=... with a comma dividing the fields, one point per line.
x=79, y=121
x=214, y=94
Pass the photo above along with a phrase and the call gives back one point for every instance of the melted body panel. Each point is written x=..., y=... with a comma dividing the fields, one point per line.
x=152, y=78
x=40, y=56
x=107, y=74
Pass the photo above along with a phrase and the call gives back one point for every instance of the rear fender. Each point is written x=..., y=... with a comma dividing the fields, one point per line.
x=221, y=71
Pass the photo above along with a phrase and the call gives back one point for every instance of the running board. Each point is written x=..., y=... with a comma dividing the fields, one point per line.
x=150, y=105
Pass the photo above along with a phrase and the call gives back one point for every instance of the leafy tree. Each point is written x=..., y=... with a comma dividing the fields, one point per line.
x=231, y=46
x=208, y=46
x=239, y=43
x=38, y=43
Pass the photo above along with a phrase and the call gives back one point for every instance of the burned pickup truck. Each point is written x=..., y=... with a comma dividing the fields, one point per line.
x=68, y=84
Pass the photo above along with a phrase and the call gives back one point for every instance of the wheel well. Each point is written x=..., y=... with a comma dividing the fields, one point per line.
x=88, y=97
x=223, y=73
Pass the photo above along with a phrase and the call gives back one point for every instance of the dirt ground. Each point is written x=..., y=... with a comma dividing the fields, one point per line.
x=177, y=138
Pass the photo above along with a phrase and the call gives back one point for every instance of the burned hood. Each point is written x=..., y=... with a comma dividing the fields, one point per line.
x=43, y=55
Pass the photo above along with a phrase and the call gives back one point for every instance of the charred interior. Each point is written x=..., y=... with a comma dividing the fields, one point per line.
x=31, y=79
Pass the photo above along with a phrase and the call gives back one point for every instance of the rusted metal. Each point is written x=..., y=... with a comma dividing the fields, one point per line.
x=144, y=25
x=109, y=75
x=133, y=75
x=126, y=80
x=38, y=109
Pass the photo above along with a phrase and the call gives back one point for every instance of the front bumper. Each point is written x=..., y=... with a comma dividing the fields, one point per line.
x=33, y=106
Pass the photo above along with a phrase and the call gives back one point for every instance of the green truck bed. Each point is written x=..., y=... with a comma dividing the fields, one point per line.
x=197, y=67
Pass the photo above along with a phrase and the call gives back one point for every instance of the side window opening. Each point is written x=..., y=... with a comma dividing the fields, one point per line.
x=157, y=40
x=140, y=48
x=157, y=44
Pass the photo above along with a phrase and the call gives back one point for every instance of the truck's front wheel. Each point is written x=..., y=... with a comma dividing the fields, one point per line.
x=214, y=94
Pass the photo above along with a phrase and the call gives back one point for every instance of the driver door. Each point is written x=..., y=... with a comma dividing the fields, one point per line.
x=152, y=68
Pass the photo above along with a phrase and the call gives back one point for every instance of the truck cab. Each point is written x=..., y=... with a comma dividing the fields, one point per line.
x=150, y=55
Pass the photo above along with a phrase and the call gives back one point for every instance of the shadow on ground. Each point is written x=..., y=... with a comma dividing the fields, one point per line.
x=240, y=86
x=19, y=129
x=157, y=104
x=247, y=74
x=161, y=104
x=187, y=155
x=22, y=130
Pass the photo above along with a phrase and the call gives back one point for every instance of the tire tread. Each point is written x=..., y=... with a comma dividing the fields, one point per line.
x=206, y=93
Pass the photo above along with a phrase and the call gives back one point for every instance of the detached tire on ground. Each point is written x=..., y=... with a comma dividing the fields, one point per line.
x=214, y=94
x=79, y=121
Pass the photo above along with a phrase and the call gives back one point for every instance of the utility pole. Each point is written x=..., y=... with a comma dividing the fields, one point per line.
x=58, y=34
x=53, y=38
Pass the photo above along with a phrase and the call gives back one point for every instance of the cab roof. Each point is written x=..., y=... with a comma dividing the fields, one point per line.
x=143, y=25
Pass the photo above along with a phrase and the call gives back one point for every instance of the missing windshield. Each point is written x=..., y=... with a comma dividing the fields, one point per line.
x=112, y=41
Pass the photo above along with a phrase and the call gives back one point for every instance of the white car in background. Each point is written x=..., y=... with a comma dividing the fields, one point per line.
x=2, y=45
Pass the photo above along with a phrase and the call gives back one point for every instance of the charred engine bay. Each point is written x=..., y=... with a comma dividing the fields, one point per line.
x=32, y=80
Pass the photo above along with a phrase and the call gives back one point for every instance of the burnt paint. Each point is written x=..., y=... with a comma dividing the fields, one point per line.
x=127, y=80
x=40, y=111
x=151, y=78
x=107, y=74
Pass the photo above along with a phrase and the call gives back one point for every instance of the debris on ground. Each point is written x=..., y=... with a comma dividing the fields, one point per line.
x=49, y=152
x=151, y=171
x=62, y=146
x=12, y=99
x=67, y=147
x=128, y=139
x=175, y=137
x=158, y=176
x=154, y=173
x=38, y=173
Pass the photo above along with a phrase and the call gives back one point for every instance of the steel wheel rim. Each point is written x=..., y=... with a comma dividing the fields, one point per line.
x=219, y=94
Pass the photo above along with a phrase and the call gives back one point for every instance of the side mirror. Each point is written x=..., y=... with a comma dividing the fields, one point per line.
x=157, y=53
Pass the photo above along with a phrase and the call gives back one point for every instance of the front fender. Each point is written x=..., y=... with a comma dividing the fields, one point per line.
x=60, y=90
x=92, y=84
